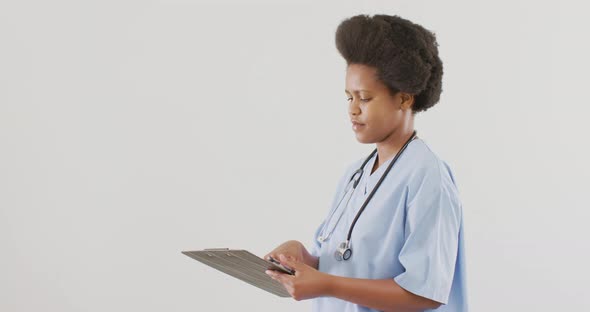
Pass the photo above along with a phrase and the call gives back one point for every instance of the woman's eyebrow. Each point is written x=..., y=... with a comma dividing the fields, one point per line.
x=356, y=90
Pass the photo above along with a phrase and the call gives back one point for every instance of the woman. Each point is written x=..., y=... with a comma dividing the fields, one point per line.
x=405, y=250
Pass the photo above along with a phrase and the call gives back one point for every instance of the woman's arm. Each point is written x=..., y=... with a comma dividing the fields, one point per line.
x=381, y=294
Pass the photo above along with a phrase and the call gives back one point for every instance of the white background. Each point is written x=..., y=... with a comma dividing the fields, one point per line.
x=132, y=130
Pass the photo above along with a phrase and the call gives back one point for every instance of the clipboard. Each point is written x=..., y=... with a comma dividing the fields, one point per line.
x=244, y=266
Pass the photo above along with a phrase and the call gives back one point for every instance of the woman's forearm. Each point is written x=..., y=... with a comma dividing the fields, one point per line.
x=380, y=294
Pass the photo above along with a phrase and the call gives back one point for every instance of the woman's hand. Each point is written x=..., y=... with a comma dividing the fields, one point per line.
x=293, y=249
x=307, y=282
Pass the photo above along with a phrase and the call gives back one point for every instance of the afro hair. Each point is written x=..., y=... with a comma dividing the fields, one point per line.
x=405, y=54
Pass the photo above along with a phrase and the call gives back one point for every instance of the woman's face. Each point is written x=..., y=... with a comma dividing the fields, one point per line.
x=371, y=105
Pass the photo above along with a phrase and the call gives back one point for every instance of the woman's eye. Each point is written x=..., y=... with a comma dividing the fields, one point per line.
x=362, y=100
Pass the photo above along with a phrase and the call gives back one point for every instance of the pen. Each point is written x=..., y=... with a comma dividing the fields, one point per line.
x=291, y=271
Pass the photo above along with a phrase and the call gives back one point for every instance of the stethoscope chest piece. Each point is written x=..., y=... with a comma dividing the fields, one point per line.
x=343, y=252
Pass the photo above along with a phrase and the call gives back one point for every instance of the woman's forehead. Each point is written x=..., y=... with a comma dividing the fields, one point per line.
x=361, y=78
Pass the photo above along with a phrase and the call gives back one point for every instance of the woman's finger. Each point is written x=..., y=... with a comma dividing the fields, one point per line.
x=281, y=277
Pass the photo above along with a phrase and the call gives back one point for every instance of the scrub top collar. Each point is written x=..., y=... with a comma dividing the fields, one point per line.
x=369, y=180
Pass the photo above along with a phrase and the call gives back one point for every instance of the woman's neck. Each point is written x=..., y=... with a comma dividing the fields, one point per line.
x=387, y=148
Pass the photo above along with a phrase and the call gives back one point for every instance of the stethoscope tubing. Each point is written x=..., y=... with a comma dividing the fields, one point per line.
x=378, y=184
x=346, y=245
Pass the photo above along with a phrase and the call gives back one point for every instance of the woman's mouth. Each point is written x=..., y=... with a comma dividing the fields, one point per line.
x=357, y=126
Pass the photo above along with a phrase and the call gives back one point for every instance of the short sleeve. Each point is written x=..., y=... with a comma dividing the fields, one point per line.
x=433, y=220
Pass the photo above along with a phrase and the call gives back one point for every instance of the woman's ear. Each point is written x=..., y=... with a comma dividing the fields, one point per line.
x=407, y=100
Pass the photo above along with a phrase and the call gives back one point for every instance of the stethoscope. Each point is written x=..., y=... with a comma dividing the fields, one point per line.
x=344, y=250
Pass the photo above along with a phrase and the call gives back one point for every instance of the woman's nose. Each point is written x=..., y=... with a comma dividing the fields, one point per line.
x=353, y=108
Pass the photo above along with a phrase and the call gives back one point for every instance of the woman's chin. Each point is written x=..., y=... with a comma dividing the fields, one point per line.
x=362, y=139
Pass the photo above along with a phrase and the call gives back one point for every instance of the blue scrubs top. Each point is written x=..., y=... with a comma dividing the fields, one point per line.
x=411, y=231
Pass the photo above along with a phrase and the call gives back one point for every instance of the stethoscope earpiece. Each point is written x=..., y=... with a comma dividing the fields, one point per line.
x=358, y=174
